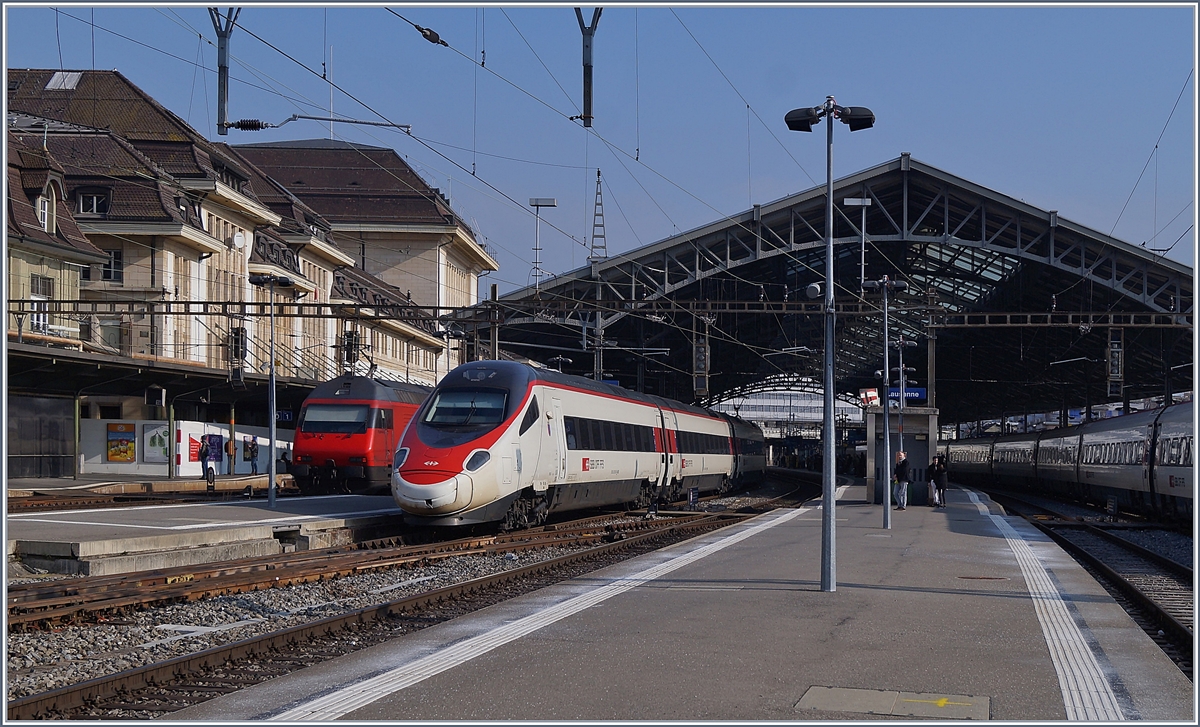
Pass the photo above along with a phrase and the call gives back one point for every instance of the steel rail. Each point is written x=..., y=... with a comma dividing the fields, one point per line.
x=92, y=692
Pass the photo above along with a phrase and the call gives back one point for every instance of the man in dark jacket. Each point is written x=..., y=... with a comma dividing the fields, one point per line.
x=940, y=475
x=901, y=481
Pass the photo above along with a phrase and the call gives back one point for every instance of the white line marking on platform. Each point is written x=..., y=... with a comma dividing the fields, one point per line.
x=343, y=701
x=1087, y=695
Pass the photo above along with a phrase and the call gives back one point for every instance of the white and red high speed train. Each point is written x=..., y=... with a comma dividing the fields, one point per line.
x=504, y=442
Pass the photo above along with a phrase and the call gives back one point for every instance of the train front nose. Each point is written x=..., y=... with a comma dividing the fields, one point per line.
x=431, y=492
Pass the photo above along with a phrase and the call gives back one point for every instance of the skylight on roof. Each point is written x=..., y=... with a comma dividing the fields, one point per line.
x=64, y=80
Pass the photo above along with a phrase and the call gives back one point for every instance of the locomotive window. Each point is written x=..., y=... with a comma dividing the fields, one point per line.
x=381, y=419
x=468, y=408
x=334, y=419
x=531, y=417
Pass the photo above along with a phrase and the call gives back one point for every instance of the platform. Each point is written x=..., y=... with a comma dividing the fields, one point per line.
x=149, y=537
x=956, y=614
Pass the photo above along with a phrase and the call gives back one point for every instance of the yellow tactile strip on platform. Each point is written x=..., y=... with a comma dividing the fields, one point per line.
x=899, y=704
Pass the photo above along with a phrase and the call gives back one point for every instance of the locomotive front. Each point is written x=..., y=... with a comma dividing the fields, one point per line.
x=444, y=463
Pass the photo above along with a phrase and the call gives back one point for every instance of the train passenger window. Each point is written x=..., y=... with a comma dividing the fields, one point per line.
x=570, y=425
x=531, y=417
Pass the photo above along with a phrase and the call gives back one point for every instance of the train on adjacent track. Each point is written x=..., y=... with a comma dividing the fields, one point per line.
x=1145, y=461
x=348, y=431
x=504, y=442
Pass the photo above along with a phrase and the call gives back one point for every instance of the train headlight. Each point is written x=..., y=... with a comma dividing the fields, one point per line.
x=401, y=455
x=478, y=459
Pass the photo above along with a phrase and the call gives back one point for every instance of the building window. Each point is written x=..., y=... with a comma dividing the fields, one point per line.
x=45, y=210
x=41, y=289
x=114, y=269
x=93, y=203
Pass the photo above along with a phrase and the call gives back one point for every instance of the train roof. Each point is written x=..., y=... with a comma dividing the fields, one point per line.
x=350, y=386
x=551, y=376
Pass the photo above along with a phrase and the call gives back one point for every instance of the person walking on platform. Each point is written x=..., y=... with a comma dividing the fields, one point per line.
x=901, y=494
x=940, y=475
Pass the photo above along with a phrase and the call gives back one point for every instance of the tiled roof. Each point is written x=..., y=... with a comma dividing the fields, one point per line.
x=108, y=100
x=22, y=220
x=297, y=216
x=351, y=283
x=352, y=182
x=139, y=190
x=270, y=249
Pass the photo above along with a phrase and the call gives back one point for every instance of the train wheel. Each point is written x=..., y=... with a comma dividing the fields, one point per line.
x=525, y=512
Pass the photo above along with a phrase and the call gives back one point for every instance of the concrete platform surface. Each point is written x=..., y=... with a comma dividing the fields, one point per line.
x=957, y=614
x=147, y=537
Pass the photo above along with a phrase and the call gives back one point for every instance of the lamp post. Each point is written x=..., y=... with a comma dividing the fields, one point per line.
x=271, y=281
x=802, y=119
x=884, y=285
x=537, y=203
x=900, y=345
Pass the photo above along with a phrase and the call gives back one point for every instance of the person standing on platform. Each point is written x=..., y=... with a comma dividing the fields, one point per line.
x=901, y=494
x=203, y=457
x=940, y=475
x=253, y=447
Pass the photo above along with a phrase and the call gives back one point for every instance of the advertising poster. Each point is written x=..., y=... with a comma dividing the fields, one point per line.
x=154, y=443
x=193, y=449
x=122, y=443
x=215, y=447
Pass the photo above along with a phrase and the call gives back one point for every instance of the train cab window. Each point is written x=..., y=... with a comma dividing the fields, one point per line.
x=469, y=409
x=334, y=419
x=531, y=417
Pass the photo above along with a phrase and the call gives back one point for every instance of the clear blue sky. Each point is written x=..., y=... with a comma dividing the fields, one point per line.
x=1061, y=107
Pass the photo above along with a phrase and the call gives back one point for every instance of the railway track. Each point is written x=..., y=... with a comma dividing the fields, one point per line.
x=160, y=688
x=80, y=600
x=1157, y=591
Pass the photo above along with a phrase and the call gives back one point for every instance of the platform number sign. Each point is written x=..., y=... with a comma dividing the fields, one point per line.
x=283, y=415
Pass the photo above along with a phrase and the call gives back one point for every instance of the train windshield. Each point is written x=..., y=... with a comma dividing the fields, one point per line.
x=334, y=419
x=464, y=410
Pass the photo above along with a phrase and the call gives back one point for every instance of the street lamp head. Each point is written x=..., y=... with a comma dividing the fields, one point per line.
x=543, y=202
x=813, y=291
x=803, y=119
x=856, y=117
x=268, y=279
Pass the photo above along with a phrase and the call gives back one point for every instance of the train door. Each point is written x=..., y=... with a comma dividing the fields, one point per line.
x=660, y=468
x=558, y=440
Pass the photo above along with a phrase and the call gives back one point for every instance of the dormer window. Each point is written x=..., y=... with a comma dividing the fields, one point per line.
x=93, y=203
x=45, y=209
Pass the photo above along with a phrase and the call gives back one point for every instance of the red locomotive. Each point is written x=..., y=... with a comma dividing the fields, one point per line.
x=348, y=430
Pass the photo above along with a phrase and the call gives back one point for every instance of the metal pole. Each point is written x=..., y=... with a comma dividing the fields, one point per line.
x=900, y=423
x=271, y=406
x=537, y=251
x=887, y=425
x=862, y=250
x=828, y=541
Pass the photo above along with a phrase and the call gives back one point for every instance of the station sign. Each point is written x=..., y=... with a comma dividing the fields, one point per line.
x=910, y=393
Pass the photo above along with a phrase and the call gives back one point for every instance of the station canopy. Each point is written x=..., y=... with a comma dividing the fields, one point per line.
x=1023, y=310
